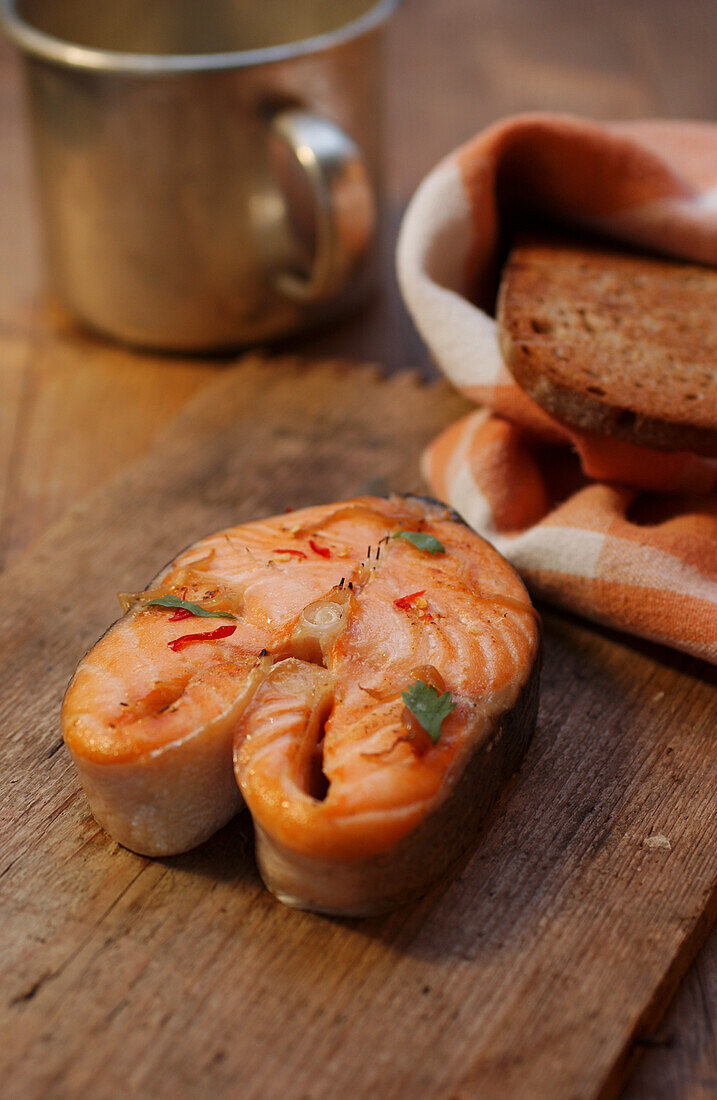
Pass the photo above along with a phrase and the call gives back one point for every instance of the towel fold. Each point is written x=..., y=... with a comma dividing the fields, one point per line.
x=625, y=535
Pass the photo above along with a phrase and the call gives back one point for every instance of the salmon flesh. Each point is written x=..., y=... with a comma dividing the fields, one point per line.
x=362, y=675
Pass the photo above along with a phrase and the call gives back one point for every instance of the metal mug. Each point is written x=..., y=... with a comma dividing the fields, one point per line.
x=207, y=168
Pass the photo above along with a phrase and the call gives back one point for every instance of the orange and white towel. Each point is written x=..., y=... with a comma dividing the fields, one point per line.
x=623, y=534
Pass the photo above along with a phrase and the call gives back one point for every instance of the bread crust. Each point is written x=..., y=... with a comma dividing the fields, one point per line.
x=617, y=344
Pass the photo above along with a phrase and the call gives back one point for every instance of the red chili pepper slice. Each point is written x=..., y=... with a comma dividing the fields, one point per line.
x=322, y=550
x=207, y=636
x=294, y=553
x=180, y=614
x=407, y=601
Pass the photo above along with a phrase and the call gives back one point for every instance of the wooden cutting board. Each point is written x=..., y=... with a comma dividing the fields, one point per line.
x=538, y=973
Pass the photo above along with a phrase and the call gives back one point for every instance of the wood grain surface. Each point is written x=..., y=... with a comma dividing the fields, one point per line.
x=532, y=975
x=74, y=410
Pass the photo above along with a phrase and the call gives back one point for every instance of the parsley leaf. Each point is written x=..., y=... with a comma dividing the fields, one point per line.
x=428, y=707
x=422, y=541
x=187, y=605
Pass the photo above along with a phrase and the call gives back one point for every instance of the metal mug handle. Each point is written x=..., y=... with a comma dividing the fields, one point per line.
x=344, y=204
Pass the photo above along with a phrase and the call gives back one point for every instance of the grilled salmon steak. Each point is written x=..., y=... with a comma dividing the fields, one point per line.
x=363, y=675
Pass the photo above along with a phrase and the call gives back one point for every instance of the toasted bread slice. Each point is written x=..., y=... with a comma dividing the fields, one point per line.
x=619, y=344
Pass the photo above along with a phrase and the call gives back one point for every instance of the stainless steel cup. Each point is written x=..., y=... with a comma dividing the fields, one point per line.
x=207, y=168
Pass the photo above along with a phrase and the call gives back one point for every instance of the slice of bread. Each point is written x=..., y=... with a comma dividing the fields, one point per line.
x=624, y=345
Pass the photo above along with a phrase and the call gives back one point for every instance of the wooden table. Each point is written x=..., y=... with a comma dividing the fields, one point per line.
x=454, y=66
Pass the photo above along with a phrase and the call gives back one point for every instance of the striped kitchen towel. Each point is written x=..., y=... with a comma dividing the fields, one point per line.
x=623, y=534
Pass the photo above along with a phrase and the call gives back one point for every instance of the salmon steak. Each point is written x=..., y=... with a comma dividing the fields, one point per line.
x=363, y=676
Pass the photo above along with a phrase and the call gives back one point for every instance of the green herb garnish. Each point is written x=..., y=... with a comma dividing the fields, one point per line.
x=422, y=541
x=428, y=707
x=187, y=605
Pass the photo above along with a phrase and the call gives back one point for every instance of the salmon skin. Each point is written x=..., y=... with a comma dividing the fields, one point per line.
x=362, y=675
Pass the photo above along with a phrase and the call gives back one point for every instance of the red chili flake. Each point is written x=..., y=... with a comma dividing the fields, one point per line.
x=207, y=636
x=288, y=508
x=322, y=550
x=407, y=601
x=180, y=614
x=294, y=553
